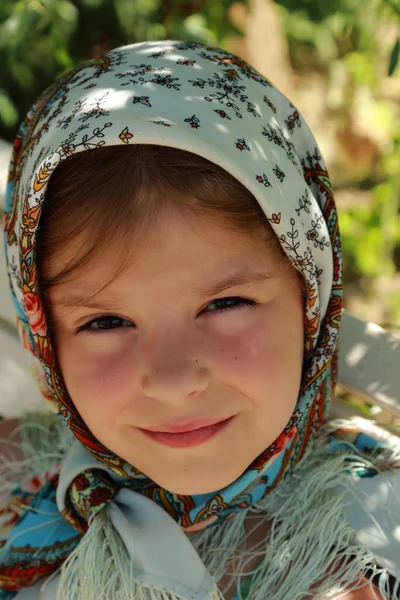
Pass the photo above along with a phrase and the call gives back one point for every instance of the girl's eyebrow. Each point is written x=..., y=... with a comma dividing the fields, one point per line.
x=244, y=276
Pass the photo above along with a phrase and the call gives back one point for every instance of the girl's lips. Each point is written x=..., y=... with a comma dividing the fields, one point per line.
x=187, y=439
x=184, y=425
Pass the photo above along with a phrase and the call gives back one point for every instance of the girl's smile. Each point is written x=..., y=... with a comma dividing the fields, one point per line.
x=186, y=436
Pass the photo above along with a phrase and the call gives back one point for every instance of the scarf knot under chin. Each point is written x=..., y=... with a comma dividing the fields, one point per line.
x=88, y=493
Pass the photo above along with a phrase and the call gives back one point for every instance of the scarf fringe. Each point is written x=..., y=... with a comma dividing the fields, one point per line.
x=44, y=443
x=101, y=568
x=309, y=534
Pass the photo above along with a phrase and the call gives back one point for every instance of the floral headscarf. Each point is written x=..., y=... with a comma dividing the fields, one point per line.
x=210, y=102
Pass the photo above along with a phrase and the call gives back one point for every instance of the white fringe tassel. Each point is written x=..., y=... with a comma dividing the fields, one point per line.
x=44, y=440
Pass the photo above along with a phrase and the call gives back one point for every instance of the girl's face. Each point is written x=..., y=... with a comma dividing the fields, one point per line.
x=154, y=351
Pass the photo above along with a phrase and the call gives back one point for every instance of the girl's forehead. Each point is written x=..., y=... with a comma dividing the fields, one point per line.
x=174, y=259
x=181, y=241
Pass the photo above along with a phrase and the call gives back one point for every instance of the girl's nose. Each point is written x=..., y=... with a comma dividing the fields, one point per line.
x=173, y=378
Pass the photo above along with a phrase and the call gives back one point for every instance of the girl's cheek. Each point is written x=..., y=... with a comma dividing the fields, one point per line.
x=264, y=342
x=97, y=375
x=254, y=357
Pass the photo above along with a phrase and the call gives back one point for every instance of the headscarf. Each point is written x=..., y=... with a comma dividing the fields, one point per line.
x=208, y=101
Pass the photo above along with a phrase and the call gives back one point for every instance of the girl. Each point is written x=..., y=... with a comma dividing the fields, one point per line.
x=174, y=258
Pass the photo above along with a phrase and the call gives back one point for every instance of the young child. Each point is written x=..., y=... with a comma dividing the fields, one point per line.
x=174, y=257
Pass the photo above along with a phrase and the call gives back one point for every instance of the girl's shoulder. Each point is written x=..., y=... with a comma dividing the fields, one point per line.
x=364, y=593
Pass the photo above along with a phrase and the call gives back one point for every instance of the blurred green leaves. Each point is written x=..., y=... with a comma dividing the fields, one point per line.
x=355, y=46
x=34, y=48
x=394, y=57
x=335, y=27
x=8, y=111
x=40, y=39
x=371, y=231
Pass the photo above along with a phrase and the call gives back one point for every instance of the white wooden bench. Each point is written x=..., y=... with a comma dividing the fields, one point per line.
x=369, y=363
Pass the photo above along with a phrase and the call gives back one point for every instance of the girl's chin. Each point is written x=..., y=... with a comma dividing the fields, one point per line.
x=195, y=485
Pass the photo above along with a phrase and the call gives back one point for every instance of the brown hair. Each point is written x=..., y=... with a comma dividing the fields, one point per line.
x=117, y=193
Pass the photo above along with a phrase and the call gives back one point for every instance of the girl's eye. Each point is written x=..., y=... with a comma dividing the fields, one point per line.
x=104, y=323
x=109, y=322
x=231, y=303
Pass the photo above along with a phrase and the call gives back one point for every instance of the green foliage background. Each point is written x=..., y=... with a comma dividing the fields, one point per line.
x=40, y=39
